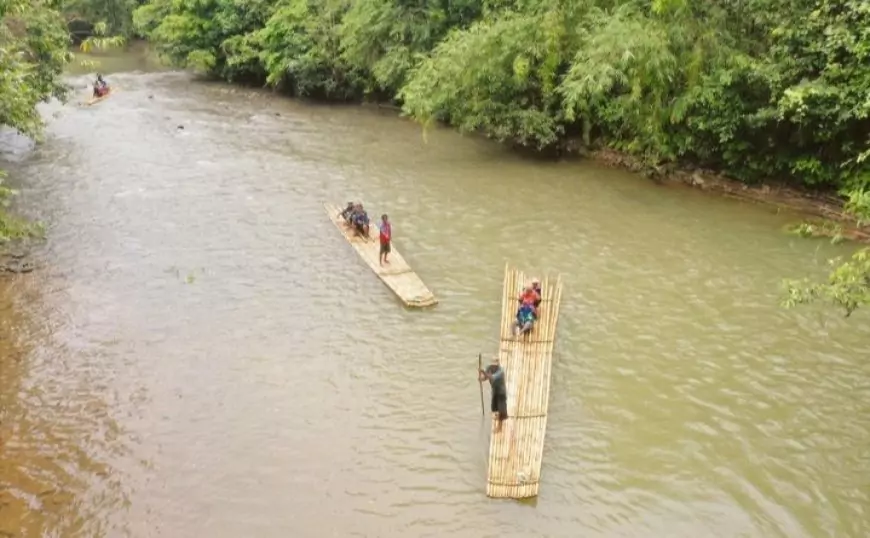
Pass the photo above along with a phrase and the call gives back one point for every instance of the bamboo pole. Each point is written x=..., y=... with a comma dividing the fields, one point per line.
x=480, y=382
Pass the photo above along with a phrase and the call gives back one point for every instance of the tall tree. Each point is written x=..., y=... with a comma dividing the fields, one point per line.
x=33, y=51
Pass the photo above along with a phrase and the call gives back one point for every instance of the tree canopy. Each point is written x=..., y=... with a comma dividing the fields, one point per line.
x=758, y=89
x=33, y=51
x=762, y=89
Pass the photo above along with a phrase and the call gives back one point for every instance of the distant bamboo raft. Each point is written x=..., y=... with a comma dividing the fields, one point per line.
x=95, y=100
x=397, y=275
x=515, y=453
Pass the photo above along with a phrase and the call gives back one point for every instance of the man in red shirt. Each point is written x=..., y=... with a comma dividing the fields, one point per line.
x=386, y=236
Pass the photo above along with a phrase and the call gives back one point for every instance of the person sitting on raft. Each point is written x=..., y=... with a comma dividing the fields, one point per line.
x=347, y=212
x=101, y=88
x=360, y=221
x=528, y=311
x=536, y=287
x=531, y=295
x=355, y=216
x=526, y=317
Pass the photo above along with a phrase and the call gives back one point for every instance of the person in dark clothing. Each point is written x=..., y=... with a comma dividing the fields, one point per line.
x=356, y=218
x=347, y=212
x=495, y=374
x=361, y=222
x=101, y=88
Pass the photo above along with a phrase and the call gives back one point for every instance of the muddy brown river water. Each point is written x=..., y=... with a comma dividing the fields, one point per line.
x=202, y=354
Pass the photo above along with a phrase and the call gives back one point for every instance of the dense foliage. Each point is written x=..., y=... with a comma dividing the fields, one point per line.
x=33, y=52
x=760, y=89
x=114, y=17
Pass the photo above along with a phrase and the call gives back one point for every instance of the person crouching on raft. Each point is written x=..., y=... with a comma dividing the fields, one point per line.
x=526, y=318
x=360, y=221
x=347, y=212
x=527, y=313
x=356, y=218
x=386, y=236
x=100, y=86
x=495, y=375
x=536, y=287
x=529, y=295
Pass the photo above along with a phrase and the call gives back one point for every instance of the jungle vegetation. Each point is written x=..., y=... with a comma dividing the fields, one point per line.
x=759, y=90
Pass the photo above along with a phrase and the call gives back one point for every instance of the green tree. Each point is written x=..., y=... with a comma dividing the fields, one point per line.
x=115, y=16
x=33, y=52
x=206, y=35
x=500, y=76
x=388, y=39
x=758, y=89
x=848, y=285
x=300, y=50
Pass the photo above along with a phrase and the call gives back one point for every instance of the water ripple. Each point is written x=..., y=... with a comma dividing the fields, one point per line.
x=204, y=355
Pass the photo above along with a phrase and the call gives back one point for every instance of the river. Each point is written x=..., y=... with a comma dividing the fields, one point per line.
x=202, y=354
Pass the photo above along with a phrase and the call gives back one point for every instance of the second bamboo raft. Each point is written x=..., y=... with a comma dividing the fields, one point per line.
x=397, y=275
x=516, y=453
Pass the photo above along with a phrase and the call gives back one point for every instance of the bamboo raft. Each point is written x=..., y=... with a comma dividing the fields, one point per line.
x=397, y=275
x=94, y=100
x=516, y=453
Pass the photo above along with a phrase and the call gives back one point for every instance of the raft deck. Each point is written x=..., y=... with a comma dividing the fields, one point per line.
x=516, y=453
x=397, y=275
x=94, y=100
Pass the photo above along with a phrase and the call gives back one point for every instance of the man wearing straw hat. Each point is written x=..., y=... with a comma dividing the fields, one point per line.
x=495, y=374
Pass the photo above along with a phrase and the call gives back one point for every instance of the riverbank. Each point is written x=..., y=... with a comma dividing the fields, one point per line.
x=822, y=212
x=825, y=210
x=16, y=243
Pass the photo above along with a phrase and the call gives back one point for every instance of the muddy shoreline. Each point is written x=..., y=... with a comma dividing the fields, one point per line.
x=15, y=260
x=812, y=206
x=818, y=208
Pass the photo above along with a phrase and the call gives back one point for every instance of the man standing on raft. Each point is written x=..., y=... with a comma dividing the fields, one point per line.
x=386, y=236
x=495, y=374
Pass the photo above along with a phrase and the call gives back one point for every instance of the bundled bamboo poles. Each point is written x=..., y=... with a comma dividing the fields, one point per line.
x=397, y=275
x=515, y=453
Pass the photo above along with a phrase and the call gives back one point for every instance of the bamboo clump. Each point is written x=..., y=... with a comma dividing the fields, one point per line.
x=397, y=275
x=516, y=453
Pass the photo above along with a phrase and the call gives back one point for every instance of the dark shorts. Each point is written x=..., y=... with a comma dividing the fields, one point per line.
x=499, y=405
x=385, y=248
